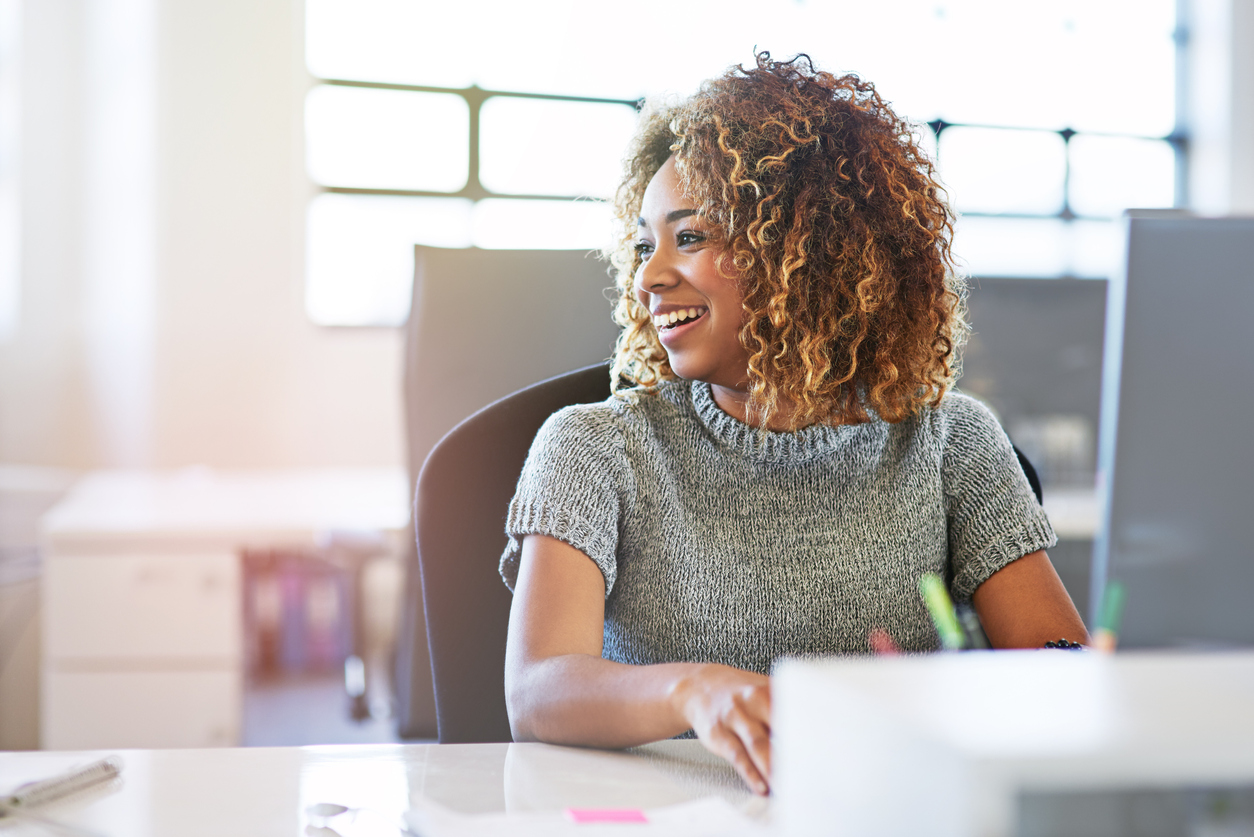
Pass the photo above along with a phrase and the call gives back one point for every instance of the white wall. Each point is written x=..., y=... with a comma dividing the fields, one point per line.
x=163, y=199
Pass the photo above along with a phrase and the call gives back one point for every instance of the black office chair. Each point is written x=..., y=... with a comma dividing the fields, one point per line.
x=1030, y=472
x=463, y=494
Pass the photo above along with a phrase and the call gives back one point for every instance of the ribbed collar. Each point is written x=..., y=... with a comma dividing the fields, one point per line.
x=808, y=443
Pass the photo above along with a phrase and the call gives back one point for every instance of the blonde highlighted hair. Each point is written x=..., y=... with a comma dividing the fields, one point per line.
x=830, y=217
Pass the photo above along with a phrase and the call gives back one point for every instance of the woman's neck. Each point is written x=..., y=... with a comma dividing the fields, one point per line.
x=735, y=402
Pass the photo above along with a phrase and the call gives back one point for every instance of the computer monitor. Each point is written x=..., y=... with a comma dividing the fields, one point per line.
x=1176, y=443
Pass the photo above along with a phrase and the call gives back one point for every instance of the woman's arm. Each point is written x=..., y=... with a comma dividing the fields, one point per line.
x=559, y=689
x=1024, y=605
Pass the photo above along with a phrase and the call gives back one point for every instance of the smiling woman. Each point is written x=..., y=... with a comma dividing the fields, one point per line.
x=790, y=461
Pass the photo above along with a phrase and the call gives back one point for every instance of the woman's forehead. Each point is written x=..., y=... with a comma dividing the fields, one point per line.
x=664, y=201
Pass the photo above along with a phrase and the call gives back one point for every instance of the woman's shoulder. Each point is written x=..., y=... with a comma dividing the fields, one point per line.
x=617, y=416
x=960, y=415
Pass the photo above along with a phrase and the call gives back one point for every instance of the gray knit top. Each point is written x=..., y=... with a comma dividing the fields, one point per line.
x=719, y=543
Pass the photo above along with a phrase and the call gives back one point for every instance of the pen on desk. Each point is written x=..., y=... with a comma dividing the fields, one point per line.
x=1106, y=636
x=17, y=804
x=34, y=794
x=941, y=608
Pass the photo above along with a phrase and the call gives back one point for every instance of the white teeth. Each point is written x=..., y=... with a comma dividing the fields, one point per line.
x=669, y=319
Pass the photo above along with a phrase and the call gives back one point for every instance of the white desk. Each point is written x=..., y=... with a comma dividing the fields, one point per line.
x=142, y=641
x=267, y=792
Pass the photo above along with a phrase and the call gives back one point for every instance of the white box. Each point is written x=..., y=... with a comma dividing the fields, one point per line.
x=945, y=744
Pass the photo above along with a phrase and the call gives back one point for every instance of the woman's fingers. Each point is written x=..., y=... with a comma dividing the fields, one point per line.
x=755, y=736
x=730, y=710
x=722, y=741
x=744, y=736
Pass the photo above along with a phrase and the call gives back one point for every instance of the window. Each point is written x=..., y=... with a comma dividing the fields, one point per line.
x=10, y=195
x=426, y=125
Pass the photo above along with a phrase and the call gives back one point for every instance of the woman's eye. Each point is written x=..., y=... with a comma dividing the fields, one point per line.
x=690, y=238
x=643, y=249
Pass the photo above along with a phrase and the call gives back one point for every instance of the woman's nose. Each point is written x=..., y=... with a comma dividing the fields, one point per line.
x=656, y=274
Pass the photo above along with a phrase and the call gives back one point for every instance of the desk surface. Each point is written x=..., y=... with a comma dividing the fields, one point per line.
x=268, y=791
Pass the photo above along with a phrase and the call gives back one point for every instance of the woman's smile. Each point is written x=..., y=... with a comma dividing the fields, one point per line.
x=670, y=324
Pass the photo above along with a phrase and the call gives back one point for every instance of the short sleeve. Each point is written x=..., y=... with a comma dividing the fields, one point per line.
x=993, y=516
x=572, y=488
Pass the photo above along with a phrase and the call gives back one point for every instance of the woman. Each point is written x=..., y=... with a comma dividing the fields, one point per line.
x=790, y=461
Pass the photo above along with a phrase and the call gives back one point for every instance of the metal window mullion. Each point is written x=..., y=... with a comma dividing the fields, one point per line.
x=1179, y=138
x=474, y=186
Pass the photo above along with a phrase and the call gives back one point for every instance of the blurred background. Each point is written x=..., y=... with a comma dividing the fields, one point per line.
x=208, y=214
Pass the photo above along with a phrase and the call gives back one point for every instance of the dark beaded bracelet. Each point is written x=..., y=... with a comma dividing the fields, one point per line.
x=1065, y=644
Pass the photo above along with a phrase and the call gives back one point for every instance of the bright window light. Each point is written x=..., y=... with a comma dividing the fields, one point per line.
x=1046, y=108
x=386, y=139
x=1036, y=247
x=541, y=225
x=547, y=147
x=1087, y=65
x=996, y=170
x=1096, y=249
x=400, y=41
x=360, y=251
x=1027, y=247
x=1111, y=174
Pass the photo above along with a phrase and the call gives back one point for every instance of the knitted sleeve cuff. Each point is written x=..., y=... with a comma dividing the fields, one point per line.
x=1034, y=533
x=539, y=518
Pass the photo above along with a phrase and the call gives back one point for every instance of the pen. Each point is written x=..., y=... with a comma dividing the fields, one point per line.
x=941, y=608
x=18, y=803
x=976, y=639
x=1106, y=636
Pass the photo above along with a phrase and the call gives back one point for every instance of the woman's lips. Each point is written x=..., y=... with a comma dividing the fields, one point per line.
x=671, y=333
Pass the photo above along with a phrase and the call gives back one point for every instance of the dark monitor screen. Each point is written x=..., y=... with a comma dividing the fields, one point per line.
x=1176, y=444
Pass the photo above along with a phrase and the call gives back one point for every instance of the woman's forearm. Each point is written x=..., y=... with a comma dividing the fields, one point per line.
x=585, y=700
x=559, y=689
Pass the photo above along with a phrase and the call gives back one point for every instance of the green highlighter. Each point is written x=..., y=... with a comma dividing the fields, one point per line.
x=941, y=607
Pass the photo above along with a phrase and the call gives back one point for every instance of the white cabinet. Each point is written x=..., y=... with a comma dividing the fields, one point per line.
x=142, y=648
x=94, y=710
x=177, y=606
x=142, y=640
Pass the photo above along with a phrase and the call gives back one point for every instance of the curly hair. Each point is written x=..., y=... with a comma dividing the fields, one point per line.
x=830, y=217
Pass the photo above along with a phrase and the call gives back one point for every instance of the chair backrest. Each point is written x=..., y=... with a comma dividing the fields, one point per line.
x=484, y=323
x=462, y=497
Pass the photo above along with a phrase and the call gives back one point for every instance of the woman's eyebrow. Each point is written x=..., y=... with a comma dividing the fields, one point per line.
x=671, y=217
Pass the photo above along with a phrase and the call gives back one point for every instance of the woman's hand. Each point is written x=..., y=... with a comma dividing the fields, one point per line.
x=730, y=711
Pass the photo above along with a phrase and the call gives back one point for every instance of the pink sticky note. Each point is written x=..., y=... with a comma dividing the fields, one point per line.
x=590, y=815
